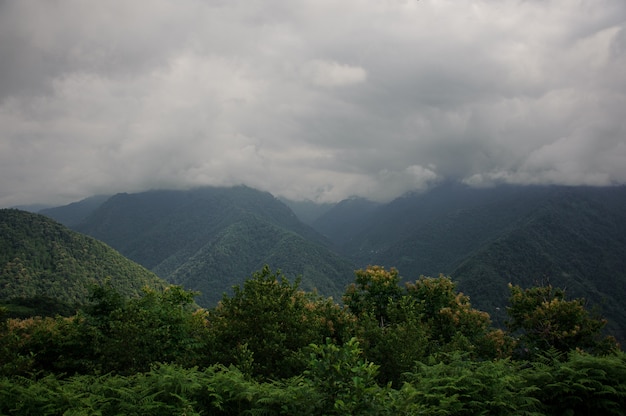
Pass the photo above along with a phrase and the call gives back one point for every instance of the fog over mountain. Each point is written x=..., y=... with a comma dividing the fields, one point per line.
x=308, y=99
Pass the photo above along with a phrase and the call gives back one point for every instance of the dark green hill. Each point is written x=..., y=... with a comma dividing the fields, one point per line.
x=431, y=231
x=209, y=239
x=76, y=212
x=576, y=239
x=573, y=237
x=308, y=211
x=435, y=232
x=40, y=258
x=345, y=220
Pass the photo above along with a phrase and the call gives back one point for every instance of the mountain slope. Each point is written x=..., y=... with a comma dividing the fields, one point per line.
x=573, y=237
x=209, y=239
x=575, y=240
x=307, y=211
x=345, y=220
x=41, y=258
x=76, y=212
x=431, y=231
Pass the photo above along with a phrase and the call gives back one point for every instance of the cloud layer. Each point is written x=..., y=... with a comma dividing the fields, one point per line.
x=313, y=99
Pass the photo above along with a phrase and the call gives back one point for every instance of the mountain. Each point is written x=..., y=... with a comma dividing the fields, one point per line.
x=575, y=239
x=307, y=211
x=209, y=239
x=571, y=237
x=31, y=207
x=42, y=259
x=346, y=220
x=76, y=212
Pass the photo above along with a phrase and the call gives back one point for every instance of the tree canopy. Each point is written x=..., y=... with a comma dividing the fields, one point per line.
x=273, y=348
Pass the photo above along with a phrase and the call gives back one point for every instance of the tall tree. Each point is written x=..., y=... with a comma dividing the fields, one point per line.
x=265, y=325
x=399, y=327
x=545, y=319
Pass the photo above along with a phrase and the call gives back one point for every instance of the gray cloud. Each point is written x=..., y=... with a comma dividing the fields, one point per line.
x=315, y=99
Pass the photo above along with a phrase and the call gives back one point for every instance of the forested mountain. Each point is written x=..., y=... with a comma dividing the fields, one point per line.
x=576, y=239
x=395, y=346
x=42, y=259
x=346, y=220
x=209, y=239
x=308, y=211
x=76, y=212
x=571, y=237
x=426, y=230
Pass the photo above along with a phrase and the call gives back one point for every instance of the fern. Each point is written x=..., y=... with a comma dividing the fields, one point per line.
x=581, y=384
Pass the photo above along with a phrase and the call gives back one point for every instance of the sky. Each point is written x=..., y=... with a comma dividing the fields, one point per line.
x=308, y=99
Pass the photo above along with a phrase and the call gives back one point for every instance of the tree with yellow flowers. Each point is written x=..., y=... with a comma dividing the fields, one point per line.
x=544, y=319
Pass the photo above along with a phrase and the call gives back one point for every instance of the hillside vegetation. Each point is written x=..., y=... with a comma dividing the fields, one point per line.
x=76, y=212
x=272, y=348
x=572, y=237
x=45, y=261
x=208, y=238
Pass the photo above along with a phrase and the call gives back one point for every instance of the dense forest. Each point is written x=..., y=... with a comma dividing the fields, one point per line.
x=272, y=348
x=278, y=344
x=45, y=266
x=486, y=238
x=208, y=239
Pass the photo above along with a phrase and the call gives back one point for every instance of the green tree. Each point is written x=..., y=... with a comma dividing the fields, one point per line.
x=545, y=319
x=265, y=325
x=451, y=321
x=344, y=380
x=399, y=327
x=372, y=292
x=132, y=334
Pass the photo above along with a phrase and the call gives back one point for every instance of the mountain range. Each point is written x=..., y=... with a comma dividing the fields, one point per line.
x=570, y=237
x=209, y=239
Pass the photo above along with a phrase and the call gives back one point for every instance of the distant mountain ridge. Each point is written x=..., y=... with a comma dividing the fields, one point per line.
x=212, y=238
x=76, y=212
x=574, y=239
x=40, y=257
x=570, y=237
x=209, y=239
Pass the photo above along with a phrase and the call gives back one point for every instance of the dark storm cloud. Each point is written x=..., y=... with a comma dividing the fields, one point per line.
x=313, y=99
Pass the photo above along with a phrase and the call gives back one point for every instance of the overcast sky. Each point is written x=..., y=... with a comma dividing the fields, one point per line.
x=317, y=99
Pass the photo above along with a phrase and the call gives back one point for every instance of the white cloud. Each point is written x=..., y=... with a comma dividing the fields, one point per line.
x=317, y=99
x=332, y=74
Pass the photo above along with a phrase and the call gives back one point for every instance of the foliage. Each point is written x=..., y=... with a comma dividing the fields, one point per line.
x=130, y=334
x=458, y=386
x=272, y=348
x=337, y=381
x=345, y=381
x=547, y=320
x=114, y=334
x=579, y=383
x=453, y=324
x=165, y=389
x=38, y=305
x=400, y=327
x=267, y=324
x=45, y=345
x=373, y=291
x=42, y=260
